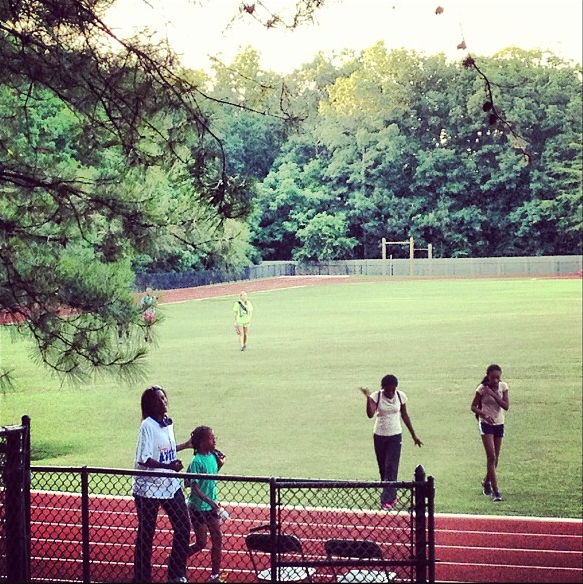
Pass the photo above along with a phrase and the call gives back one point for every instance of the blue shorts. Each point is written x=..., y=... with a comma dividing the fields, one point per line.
x=497, y=429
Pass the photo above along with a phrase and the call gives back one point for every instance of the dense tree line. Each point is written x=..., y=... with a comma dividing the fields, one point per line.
x=397, y=144
x=115, y=159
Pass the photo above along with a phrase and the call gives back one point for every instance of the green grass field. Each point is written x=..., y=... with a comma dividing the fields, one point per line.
x=289, y=406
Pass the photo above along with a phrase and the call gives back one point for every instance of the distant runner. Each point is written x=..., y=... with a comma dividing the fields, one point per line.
x=243, y=312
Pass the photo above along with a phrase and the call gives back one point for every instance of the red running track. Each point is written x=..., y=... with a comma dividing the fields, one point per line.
x=508, y=549
x=468, y=548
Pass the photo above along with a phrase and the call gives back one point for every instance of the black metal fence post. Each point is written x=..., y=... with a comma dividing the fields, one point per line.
x=25, y=420
x=85, y=525
x=431, y=527
x=17, y=556
x=273, y=528
x=420, y=525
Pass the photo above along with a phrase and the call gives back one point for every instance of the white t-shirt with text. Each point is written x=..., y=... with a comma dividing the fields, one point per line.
x=156, y=442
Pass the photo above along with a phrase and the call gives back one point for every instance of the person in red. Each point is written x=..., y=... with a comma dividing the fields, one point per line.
x=148, y=306
x=489, y=404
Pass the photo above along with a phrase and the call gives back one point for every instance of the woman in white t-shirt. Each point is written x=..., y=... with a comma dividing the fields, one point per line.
x=156, y=451
x=389, y=407
x=489, y=403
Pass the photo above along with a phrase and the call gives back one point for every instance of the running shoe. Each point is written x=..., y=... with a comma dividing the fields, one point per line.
x=486, y=488
x=497, y=496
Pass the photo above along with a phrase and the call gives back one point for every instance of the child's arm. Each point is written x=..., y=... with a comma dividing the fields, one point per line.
x=197, y=491
x=503, y=401
x=407, y=420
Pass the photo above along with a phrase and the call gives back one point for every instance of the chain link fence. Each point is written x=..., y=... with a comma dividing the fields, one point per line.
x=80, y=524
x=84, y=525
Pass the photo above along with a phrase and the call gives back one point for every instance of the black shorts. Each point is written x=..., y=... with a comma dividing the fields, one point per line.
x=496, y=429
x=202, y=517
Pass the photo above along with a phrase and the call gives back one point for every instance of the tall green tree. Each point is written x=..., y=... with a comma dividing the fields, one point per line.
x=323, y=238
x=107, y=153
x=250, y=114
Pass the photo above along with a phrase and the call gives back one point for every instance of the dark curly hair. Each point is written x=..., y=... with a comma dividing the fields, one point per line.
x=198, y=435
x=389, y=380
x=149, y=400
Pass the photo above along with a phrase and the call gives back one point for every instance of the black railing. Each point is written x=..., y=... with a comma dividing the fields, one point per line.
x=83, y=526
x=79, y=525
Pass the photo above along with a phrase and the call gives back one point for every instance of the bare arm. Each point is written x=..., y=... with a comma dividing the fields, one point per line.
x=175, y=465
x=503, y=401
x=184, y=445
x=198, y=492
x=220, y=461
x=476, y=404
x=371, y=406
x=407, y=421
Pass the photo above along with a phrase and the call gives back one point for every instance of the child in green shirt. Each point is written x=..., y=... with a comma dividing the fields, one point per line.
x=203, y=506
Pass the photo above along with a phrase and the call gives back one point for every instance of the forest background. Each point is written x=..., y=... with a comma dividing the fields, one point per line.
x=398, y=144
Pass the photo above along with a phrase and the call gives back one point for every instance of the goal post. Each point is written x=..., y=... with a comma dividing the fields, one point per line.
x=408, y=242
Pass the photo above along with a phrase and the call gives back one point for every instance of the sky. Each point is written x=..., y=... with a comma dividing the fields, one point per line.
x=199, y=28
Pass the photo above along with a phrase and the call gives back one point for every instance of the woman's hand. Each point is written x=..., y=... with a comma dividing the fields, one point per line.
x=365, y=391
x=417, y=441
x=176, y=465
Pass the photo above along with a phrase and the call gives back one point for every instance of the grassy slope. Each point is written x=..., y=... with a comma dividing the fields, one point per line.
x=289, y=405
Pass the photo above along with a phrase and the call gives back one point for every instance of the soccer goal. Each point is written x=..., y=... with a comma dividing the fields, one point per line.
x=408, y=242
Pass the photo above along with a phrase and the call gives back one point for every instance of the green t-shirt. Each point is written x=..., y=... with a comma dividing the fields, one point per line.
x=243, y=311
x=148, y=302
x=203, y=464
